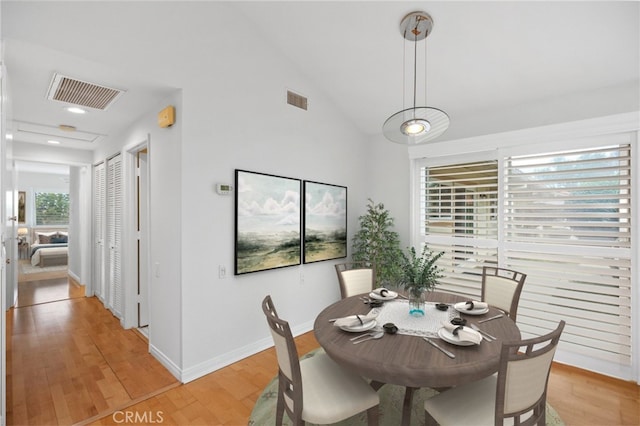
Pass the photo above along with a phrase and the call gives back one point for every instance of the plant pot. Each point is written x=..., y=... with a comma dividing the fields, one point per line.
x=416, y=304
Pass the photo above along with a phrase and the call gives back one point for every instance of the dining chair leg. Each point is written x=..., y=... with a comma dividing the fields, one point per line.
x=543, y=415
x=372, y=416
x=280, y=409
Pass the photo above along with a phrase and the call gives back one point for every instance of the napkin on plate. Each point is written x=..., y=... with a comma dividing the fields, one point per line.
x=471, y=305
x=353, y=321
x=465, y=334
x=382, y=292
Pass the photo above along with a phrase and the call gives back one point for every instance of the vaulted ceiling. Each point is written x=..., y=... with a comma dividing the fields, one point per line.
x=483, y=58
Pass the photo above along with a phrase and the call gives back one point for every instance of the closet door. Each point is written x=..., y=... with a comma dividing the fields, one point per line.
x=99, y=208
x=114, y=235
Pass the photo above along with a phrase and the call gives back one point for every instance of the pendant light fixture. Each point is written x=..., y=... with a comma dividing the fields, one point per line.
x=418, y=124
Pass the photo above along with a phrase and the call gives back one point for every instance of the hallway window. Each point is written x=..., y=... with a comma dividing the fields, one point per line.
x=52, y=208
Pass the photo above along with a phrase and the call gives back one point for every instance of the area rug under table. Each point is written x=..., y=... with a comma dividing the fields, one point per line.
x=391, y=399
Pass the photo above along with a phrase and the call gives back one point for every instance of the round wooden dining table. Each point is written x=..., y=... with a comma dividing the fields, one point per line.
x=410, y=361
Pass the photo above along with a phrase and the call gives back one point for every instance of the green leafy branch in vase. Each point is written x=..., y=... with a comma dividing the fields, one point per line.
x=420, y=273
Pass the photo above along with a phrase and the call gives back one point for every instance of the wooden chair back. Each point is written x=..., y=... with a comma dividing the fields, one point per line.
x=523, y=375
x=501, y=288
x=289, y=376
x=355, y=278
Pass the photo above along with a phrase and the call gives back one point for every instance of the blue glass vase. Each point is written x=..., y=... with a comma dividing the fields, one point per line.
x=416, y=303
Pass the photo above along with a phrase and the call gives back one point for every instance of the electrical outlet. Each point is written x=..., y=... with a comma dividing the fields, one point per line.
x=222, y=272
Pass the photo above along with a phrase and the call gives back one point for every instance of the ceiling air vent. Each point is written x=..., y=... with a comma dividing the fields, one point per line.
x=296, y=100
x=77, y=92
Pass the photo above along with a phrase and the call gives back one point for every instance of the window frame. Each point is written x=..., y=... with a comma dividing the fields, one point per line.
x=604, y=131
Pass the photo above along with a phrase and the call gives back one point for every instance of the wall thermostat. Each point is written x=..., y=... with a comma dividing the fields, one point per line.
x=223, y=189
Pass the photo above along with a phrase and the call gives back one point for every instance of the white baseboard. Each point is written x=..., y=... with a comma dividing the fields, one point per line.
x=166, y=362
x=229, y=358
x=74, y=276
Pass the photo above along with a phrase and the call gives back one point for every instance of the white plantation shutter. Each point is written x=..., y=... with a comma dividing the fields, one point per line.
x=563, y=218
x=458, y=211
x=567, y=224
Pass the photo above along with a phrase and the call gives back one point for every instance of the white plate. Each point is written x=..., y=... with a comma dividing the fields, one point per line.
x=360, y=327
x=448, y=336
x=389, y=296
x=462, y=308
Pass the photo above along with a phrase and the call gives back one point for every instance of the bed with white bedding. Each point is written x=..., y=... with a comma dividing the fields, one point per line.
x=49, y=248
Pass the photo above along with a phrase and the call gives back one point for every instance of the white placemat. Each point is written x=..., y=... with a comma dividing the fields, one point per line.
x=397, y=312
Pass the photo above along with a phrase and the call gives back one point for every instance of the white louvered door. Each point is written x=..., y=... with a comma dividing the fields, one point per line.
x=99, y=207
x=114, y=235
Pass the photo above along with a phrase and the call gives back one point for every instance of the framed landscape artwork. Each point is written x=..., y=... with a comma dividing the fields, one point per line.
x=325, y=221
x=267, y=231
x=22, y=204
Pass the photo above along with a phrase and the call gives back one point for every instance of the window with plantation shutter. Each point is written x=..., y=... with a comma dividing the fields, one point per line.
x=458, y=211
x=567, y=222
x=563, y=217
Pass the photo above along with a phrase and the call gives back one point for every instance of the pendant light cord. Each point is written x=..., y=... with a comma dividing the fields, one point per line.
x=415, y=68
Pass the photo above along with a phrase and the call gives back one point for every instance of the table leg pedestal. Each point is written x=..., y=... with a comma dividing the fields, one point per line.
x=406, y=407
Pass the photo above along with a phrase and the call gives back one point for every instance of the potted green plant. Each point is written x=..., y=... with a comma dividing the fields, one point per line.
x=419, y=274
x=376, y=242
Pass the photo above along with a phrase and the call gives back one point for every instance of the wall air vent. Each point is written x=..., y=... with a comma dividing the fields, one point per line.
x=77, y=92
x=296, y=100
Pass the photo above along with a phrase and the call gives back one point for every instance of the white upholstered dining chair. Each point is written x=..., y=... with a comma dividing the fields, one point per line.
x=501, y=288
x=355, y=278
x=518, y=392
x=315, y=389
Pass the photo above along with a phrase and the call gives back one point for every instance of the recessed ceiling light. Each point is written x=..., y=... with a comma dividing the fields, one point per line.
x=53, y=142
x=9, y=136
x=75, y=110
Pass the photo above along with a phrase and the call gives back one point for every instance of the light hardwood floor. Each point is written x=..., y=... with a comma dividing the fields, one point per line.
x=69, y=359
x=69, y=362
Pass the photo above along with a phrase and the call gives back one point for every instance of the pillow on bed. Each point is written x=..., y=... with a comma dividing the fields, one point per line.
x=44, y=239
x=59, y=239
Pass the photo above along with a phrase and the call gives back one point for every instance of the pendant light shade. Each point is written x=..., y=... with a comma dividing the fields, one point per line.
x=417, y=124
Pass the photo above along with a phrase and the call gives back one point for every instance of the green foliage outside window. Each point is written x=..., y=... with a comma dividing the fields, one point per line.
x=52, y=208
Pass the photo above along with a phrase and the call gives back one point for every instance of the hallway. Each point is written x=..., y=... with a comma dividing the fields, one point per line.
x=70, y=360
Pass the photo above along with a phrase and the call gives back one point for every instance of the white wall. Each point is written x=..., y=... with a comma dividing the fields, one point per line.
x=599, y=102
x=198, y=321
x=80, y=224
x=165, y=333
x=50, y=154
x=30, y=181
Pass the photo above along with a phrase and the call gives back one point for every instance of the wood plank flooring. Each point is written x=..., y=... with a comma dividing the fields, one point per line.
x=69, y=362
x=34, y=292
